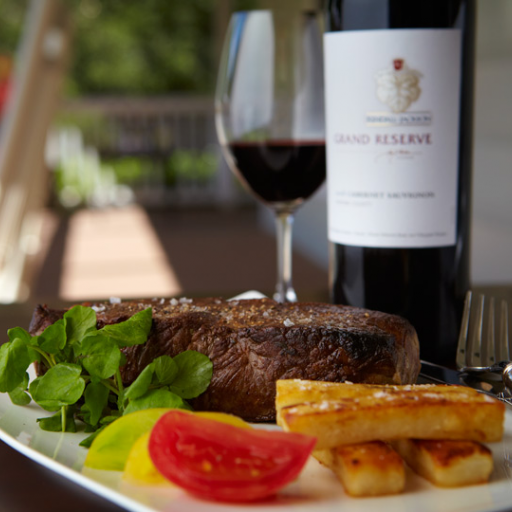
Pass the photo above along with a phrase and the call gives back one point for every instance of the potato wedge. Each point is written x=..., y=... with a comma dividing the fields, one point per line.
x=366, y=469
x=297, y=391
x=447, y=463
x=341, y=414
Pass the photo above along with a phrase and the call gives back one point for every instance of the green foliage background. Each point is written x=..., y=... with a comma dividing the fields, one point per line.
x=12, y=13
x=142, y=47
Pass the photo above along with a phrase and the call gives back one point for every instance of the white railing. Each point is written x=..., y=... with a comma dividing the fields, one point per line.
x=159, y=130
x=40, y=67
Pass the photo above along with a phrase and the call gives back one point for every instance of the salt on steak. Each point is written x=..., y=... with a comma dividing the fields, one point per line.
x=253, y=343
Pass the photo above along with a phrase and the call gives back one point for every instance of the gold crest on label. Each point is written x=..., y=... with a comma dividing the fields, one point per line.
x=398, y=86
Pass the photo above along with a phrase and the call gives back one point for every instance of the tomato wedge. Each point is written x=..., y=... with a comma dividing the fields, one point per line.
x=223, y=462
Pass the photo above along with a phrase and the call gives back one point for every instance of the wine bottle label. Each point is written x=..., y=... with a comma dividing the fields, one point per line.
x=392, y=135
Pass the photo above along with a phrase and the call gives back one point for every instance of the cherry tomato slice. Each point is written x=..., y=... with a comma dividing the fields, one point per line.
x=222, y=462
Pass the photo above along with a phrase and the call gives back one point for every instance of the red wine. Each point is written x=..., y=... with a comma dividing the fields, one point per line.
x=280, y=171
x=408, y=250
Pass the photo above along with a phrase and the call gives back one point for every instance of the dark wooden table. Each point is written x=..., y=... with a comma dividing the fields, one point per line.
x=26, y=485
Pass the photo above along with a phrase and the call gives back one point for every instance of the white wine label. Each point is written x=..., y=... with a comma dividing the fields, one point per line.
x=392, y=135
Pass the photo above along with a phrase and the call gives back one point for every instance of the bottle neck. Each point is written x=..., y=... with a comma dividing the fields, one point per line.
x=385, y=14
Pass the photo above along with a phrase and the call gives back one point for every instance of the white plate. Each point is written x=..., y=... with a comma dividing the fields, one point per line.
x=316, y=490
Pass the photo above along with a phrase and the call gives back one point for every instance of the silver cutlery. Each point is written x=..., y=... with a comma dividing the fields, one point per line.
x=484, y=352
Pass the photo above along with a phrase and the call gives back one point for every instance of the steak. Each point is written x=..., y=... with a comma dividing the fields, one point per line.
x=253, y=343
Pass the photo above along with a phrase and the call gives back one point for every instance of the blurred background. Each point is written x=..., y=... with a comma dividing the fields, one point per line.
x=111, y=178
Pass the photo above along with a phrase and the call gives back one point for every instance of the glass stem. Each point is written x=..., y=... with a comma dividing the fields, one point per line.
x=284, y=288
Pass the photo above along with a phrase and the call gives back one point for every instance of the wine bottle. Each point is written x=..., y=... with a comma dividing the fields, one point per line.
x=399, y=99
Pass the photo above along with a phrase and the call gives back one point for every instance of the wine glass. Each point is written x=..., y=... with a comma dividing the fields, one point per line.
x=269, y=113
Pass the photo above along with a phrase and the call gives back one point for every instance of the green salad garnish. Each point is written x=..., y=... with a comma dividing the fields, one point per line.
x=83, y=379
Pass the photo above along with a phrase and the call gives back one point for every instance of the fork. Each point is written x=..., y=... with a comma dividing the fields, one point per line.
x=478, y=354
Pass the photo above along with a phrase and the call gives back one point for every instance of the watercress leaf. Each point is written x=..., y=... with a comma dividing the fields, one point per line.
x=19, y=332
x=54, y=423
x=109, y=419
x=79, y=320
x=89, y=428
x=86, y=443
x=22, y=334
x=101, y=355
x=120, y=400
x=85, y=414
x=33, y=354
x=194, y=374
x=24, y=382
x=133, y=331
x=165, y=370
x=61, y=385
x=66, y=355
x=96, y=399
x=53, y=338
x=18, y=395
x=14, y=361
x=141, y=384
x=160, y=397
x=105, y=421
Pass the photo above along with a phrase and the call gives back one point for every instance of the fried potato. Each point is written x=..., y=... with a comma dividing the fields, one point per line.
x=366, y=469
x=447, y=463
x=296, y=391
x=341, y=414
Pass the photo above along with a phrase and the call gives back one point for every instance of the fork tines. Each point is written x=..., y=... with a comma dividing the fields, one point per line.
x=479, y=348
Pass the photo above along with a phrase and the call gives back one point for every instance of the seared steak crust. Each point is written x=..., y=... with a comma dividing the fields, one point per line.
x=253, y=343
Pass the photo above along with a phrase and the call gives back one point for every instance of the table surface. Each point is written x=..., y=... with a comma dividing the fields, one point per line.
x=26, y=485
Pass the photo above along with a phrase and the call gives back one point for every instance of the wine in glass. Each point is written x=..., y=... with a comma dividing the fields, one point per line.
x=270, y=117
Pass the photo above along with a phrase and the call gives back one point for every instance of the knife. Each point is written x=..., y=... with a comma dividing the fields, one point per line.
x=489, y=383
